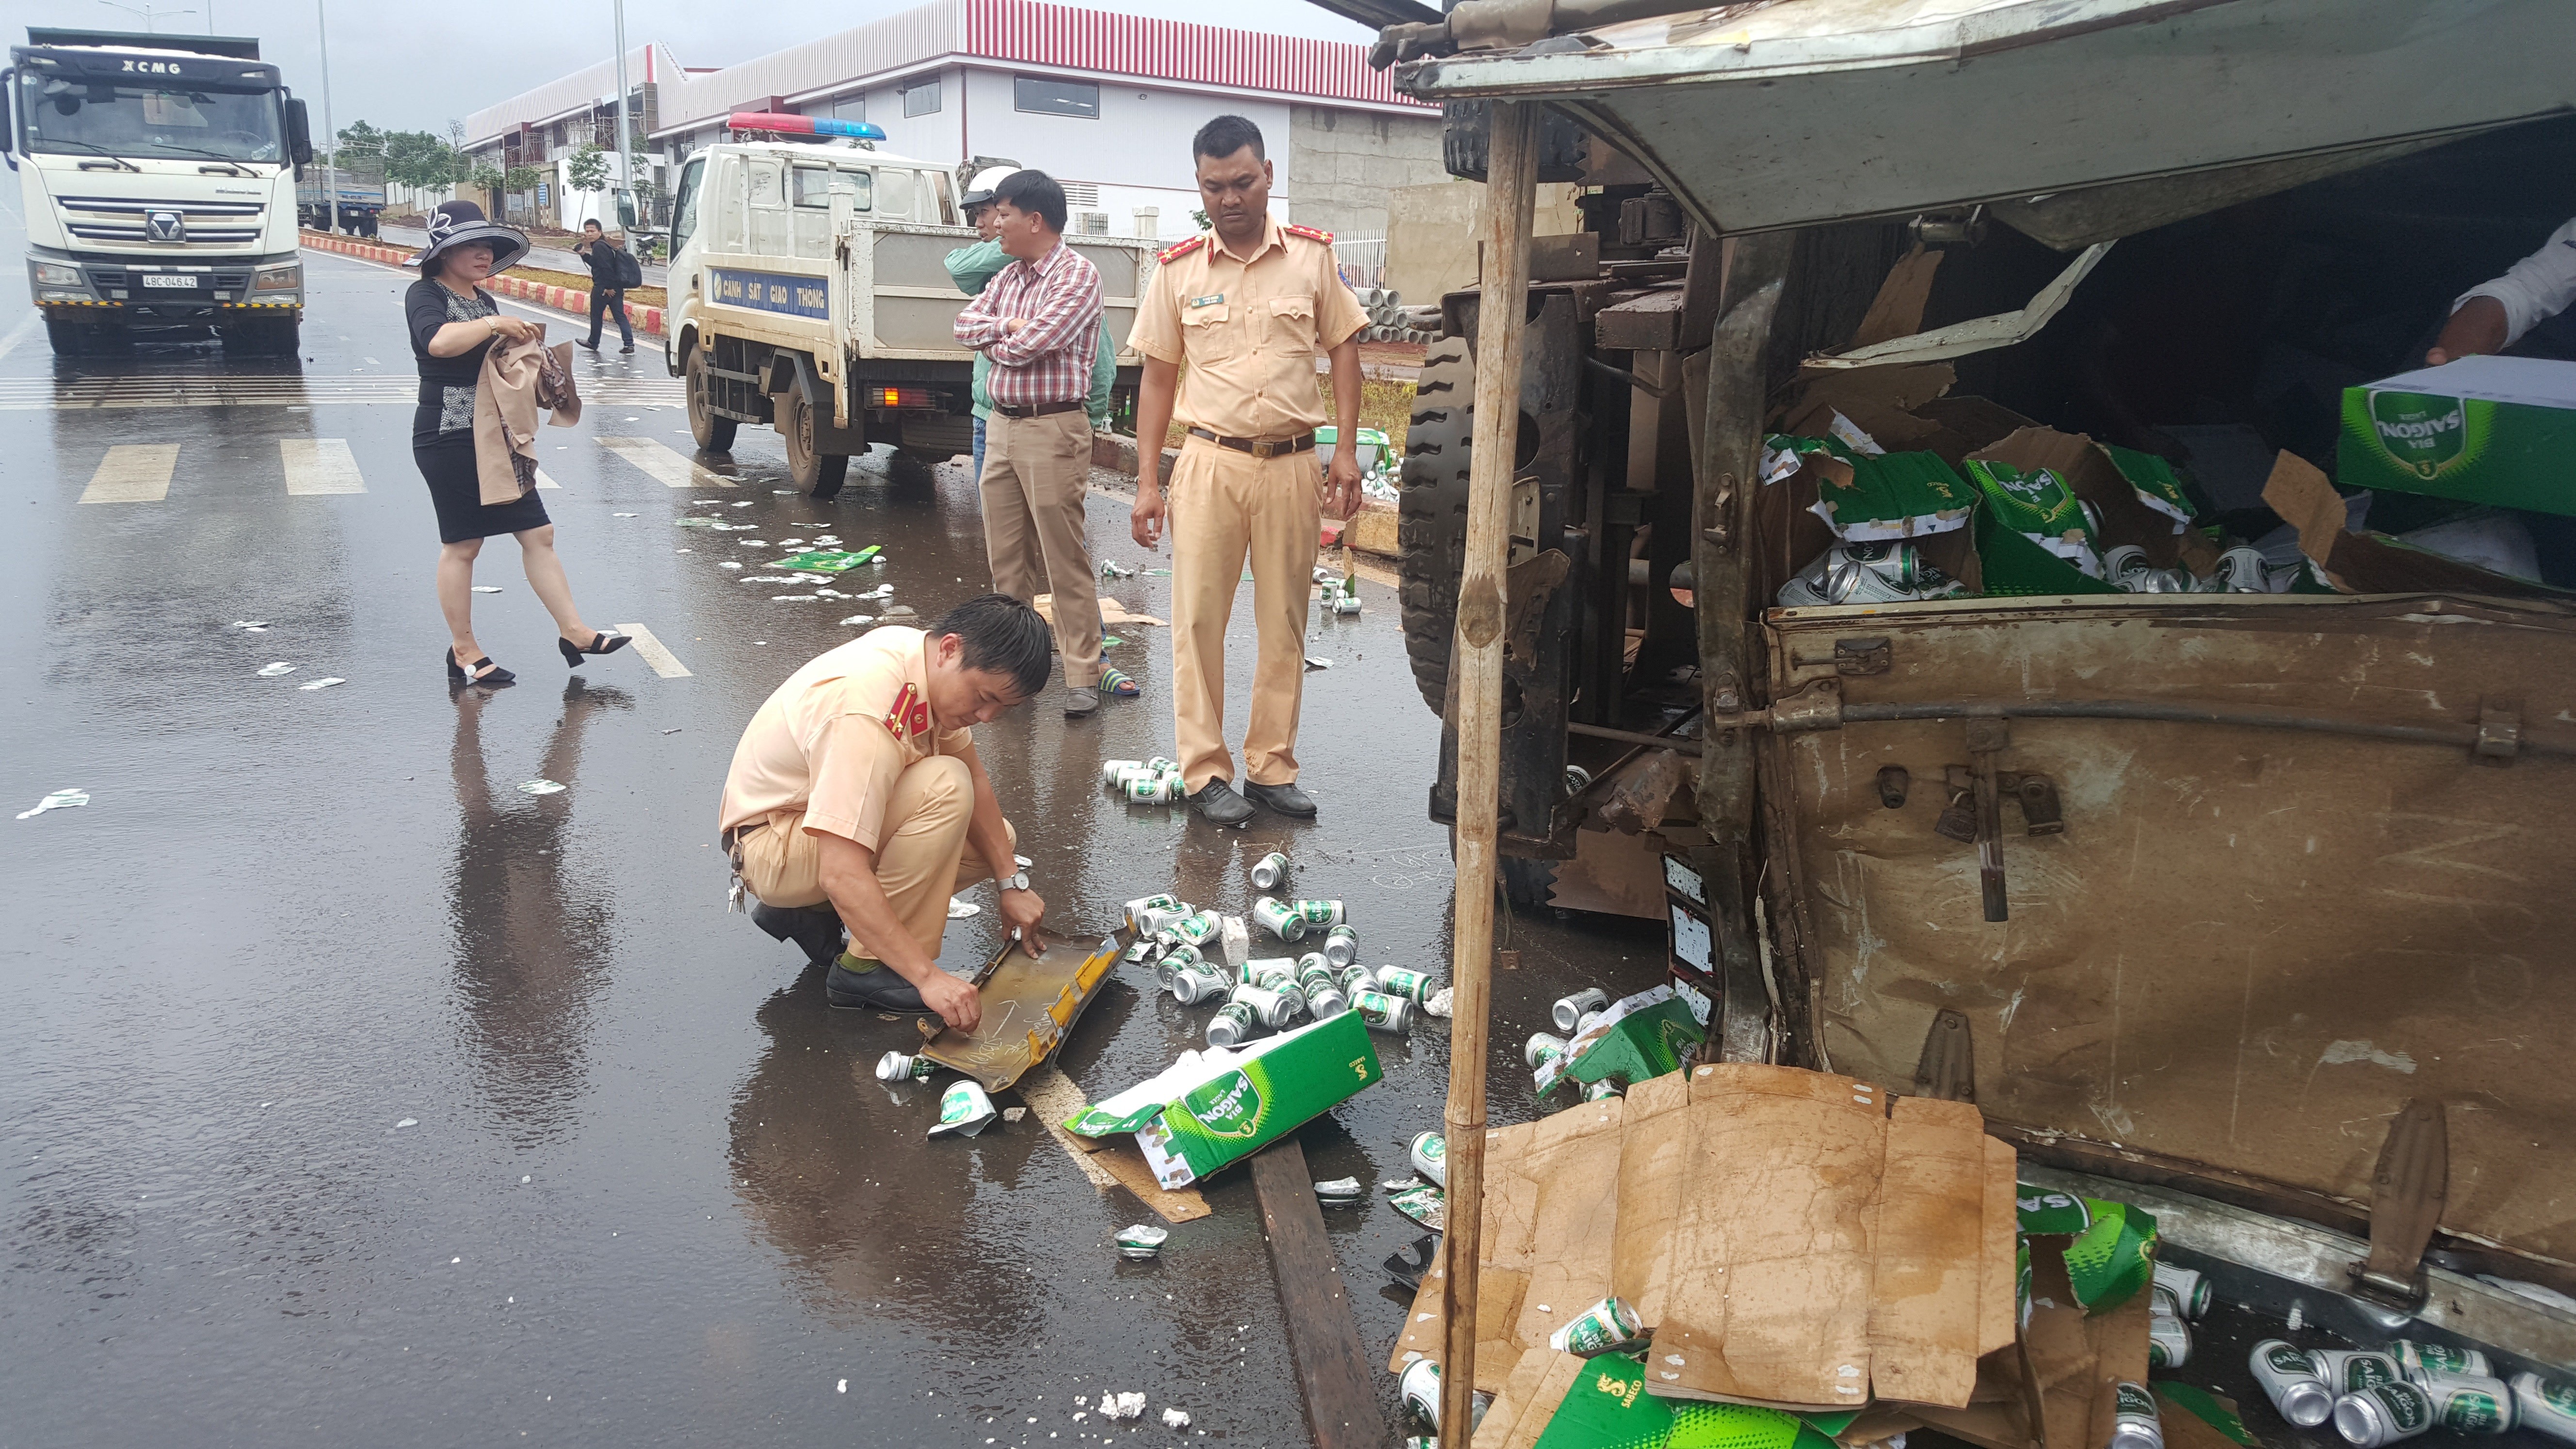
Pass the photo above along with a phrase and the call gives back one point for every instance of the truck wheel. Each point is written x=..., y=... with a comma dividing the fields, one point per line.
x=711, y=433
x=1431, y=512
x=820, y=474
x=69, y=339
x=263, y=337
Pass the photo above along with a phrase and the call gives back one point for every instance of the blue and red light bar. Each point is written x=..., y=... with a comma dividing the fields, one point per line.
x=786, y=125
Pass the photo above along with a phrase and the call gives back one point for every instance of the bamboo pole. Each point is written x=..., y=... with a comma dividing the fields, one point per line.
x=1476, y=663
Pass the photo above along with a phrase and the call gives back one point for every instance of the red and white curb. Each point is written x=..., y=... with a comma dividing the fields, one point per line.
x=572, y=300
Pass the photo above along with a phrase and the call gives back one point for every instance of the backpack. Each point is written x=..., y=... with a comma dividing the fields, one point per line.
x=630, y=272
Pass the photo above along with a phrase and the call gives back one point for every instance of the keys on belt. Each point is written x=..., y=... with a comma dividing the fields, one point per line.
x=1259, y=447
x=1036, y=410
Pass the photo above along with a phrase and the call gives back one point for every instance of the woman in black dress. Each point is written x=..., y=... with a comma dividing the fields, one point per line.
x=453, y=323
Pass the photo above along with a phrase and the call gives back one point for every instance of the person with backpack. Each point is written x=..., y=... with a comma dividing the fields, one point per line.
x=613, y=269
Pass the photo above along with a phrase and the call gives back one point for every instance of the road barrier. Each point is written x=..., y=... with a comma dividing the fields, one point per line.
x=572, y=300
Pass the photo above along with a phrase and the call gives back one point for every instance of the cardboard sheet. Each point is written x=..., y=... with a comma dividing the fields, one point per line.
x=2373, y=563
x=1528, y=1399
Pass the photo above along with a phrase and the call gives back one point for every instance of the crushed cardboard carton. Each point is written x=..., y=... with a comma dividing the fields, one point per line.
x=1211, y=1108
x=2373, y=563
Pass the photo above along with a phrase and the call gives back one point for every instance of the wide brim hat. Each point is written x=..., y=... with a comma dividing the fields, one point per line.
x=455, y=223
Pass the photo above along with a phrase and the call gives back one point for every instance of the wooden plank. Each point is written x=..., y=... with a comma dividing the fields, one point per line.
x=1106, y=1161
x=1323, y=1338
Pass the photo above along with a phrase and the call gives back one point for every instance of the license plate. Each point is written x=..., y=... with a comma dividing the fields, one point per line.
x=169, y=279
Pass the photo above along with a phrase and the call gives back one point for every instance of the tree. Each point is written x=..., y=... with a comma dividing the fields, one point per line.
x=521, y=178
x=588, y=169
x=420, y=159
x=360, y=139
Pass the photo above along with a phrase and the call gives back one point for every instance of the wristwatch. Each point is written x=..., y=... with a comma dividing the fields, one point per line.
x=1016, y=882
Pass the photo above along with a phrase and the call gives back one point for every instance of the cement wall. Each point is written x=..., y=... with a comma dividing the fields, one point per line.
x=1347, y=163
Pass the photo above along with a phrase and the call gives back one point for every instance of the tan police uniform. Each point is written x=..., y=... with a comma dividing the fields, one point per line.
x=1248, y=478
x=848, y=747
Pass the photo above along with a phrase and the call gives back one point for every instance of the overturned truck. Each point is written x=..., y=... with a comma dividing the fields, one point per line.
x=2250, y=902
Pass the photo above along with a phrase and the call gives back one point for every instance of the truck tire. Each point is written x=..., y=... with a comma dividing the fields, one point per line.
x=263, y=337
x=69, y=339
x=1431, y=512
x=712, y=434
x=819, y=474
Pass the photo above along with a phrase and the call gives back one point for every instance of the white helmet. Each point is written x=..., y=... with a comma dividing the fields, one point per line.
x=979, y=191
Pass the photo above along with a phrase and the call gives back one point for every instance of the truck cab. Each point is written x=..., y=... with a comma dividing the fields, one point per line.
x=157, y=177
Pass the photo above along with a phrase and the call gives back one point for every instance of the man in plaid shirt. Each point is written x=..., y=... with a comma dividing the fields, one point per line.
x=1039, y=324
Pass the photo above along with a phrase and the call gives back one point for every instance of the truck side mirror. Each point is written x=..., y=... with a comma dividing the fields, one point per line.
x=9, y=104
x=299, y=132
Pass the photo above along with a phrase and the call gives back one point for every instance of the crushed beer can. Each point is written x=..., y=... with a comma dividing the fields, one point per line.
x=2190, y=1290
x=1569, y=1010
x=1143, y=1240
x=1890, y=571
x=964, y=1110
x=2126, y=568
x=2383, y=1414
x=1196, y=929
x=1607, y=1325
x=2135, y=1424
x=1397, y=981
x=1341, y=1192
x=1279, y=918
x=1606, y=1087
x=1424, y=1204
x=2413, y=1355
x=1233, y=1025
x=1541, y=1047
x=1270, y=871
x=1341, y=945
x=896, y=1067
x=1271, y=1007
x=2290, y=1380
x=1383, y=1012
x=1430, y=1154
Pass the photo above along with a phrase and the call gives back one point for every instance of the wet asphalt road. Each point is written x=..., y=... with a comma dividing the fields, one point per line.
x=350, y=1094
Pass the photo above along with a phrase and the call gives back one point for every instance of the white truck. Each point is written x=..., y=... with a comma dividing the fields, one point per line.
x=809, y=292
x=157, y=177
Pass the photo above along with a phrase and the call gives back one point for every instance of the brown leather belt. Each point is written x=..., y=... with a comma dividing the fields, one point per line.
x=1035, y=410
x=1260, y=447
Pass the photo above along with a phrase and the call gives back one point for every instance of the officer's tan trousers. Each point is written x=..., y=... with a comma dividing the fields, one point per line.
x=922, y=854
x=1037, y=472
x=1225, y=506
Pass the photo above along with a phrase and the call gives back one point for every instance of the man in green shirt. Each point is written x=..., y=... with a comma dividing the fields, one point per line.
x=971, y=267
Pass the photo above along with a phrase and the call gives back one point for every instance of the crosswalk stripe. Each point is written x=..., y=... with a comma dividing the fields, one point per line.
x=320, y=465
x=666, y=463
x=663, y=661
x=133, y=473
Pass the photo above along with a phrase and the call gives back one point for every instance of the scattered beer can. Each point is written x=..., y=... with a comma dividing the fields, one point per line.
x=1341, y=1192
x=1143, y=1240
x=1884, y=572
x=1541, y=1047
x=2546, y=1404
x=1328, y=1001
x=2168, y=1337
x=1251, y=972
x=1341, y=945
x=2290, y=1380
x=1430, y=1154
x=1319, y=914
x=1112, y=770
x=1383, y=1012
x=964, y=1110
x=1197, y=983
x=1168, y=964
x=1566, y=1012
x=2190, y=1289
x=1606, y=1325
x=2351, y=1370
x=1143, y=950
x=2467, y=1403
x=1419, y=1388
x=1272, y=1008
x=2414, y=1354
x=1232, y=1025
x=1151, y=790
x=1587, y=1021
x=1279, y=976
x=2383, y=1414
x=1270, y=871
x=1355, y=977
x=1347, y=604
x=1279, y=918
x=2135, y=1423
x=1397, y=981
x=1606, y=1087
x=1196, y=929
x=1158, y=919
x=896, y=1067
x=1315, y=974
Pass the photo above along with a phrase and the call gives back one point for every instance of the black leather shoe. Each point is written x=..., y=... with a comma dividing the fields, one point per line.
x=815, y=928
x=1286, y=799
x=877, y=990
x=1217, y=803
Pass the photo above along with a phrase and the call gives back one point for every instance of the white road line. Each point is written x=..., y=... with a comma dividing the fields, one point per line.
x=545, y=482
x=663, y=661
x=133, y=473
x=26, y=328
x=319, y=465
x=666, y=463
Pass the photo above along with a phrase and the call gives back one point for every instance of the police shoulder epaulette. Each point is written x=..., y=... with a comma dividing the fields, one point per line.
x=1308, y=232
x=1178, y=250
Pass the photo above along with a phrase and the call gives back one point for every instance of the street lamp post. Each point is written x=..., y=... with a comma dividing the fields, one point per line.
x=625, y=153
x=331, y=138
x=152, y=13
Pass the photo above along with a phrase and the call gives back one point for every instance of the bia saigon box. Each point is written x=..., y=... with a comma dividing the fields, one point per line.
x=2494, y=430
x=1270, y=1089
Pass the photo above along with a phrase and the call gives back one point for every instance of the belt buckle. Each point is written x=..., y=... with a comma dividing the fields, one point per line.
x=1264, y=450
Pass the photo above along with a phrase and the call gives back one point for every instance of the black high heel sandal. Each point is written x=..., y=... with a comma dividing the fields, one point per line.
x=599, y=644
x=457, y=673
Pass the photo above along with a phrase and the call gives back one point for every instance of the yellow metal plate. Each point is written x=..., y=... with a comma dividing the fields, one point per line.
x=1030, y=1002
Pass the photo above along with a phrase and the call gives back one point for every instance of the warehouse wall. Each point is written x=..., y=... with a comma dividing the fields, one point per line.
x=1346, y=163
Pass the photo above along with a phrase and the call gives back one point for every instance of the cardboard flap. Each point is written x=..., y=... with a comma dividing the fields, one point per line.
x=1531, y=1394
x=1925, y=1292
x=2094, y=478
x=2370, y=563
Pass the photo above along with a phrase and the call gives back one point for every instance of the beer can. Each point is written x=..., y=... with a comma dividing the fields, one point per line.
x=1170, y=962
x=1318, y=914
x=1429, y=1152
x=2383, y=1414
x=1540, y=1047
x=1570, y=1010
x=964, y=1110
x=2134, y=1422
x=1150, y=790
x=1277, y=974
x=2351, y=1370
x=1112, y=770
x=1606, y=1325
x=1347, y=604
x=2290, y=1380
x=1157, y=919
x=2168, y=1337
x=1355, y=977
x=1328, y=1001
x=1196, y=929
x=1142, y=950
x=2190, y=1289
x=896, y=1067
x=1419, y=1387
x=1396, y=981
x=2546, y=1404
x=1609, y=1087
x=1314, y=971
x=2413, y=1354
x=1231, y=1026
x=1341, y=945
x=1341, y=1192
x=1587, y=1021
x=1251, y=972
x=1136, y=909
x=1279, y=918
x=1273, y=1009
x=1270, y=871
x=1196, y=983
x=2467, y=1403
x=1383, y=1012
x=1144, y=1240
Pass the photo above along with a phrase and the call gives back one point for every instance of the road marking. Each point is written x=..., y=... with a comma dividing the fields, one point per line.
x=662, y=660
x=664, y=462
x=319, y=465
x=1053, y=1096
x=25, y=328
x=147, y=389
x=133, y=473
x=545, y=482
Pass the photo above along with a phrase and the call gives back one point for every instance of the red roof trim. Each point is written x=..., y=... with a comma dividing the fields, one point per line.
x=1029, y=32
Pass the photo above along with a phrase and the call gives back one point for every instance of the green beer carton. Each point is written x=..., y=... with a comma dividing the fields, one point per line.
x=1266, y=1091
x=1608, y=1408
x=1743, y=1426
x=1866, y=499
x=2497, y=430
x=1645, y=1042
x=827, y=560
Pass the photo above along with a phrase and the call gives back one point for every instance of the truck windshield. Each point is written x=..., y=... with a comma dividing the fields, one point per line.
x=100, y=118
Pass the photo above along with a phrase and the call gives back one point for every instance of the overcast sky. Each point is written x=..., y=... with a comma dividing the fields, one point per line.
x=414, y=66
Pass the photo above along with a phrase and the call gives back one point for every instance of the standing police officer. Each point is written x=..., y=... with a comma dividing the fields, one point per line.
x=1247, y=304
